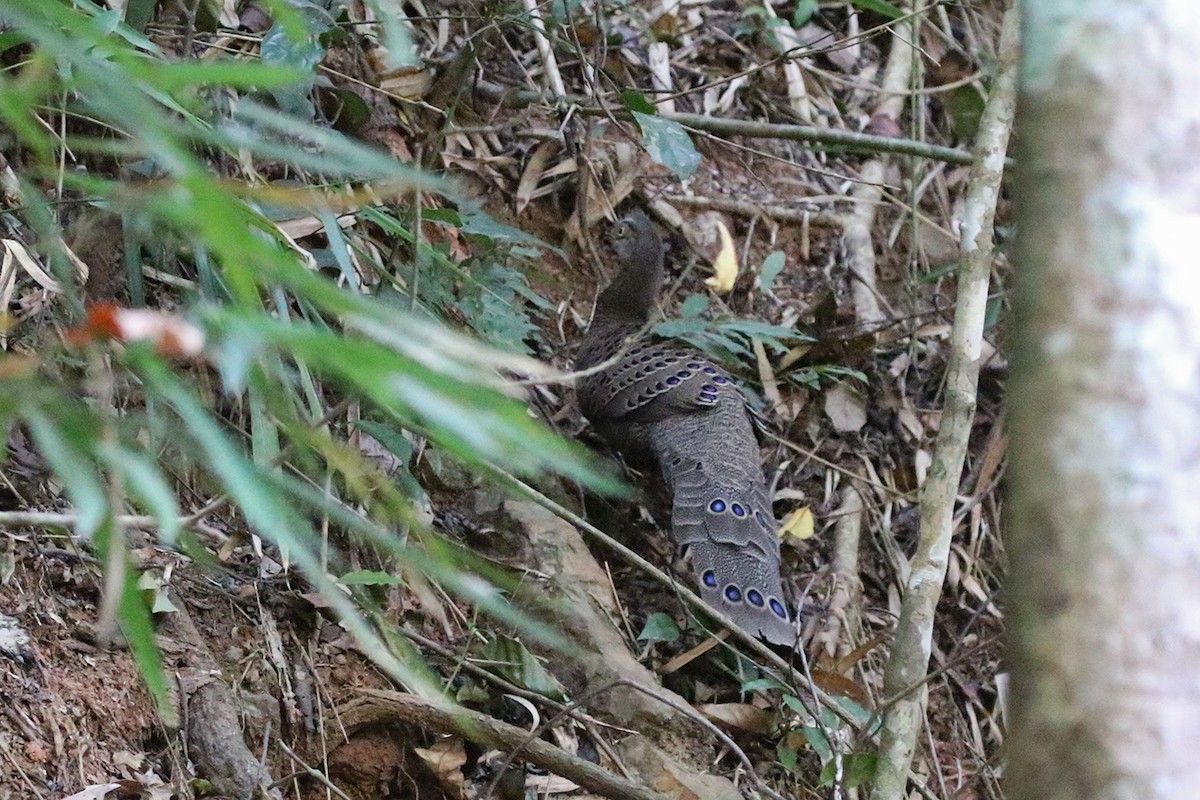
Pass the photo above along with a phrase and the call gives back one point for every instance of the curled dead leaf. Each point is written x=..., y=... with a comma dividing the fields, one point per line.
x=798, y=523
x=725, y=266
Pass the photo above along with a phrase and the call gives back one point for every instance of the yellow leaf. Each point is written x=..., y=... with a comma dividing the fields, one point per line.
x=799, y=523
x=725, y=267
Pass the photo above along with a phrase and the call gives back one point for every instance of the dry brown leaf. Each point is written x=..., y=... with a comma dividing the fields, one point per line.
x=681, y=783
x=542, y=785
x=847, y=662
x=411, y=83
x=741, y=717
x=845, y=408
x=840, y=685
x=533, y=172
x=767, y=375
x=445, y=759
x=683, y=659
x=14, y=249
x=299, y=227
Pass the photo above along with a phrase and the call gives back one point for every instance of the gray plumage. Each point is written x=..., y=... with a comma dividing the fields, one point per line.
x=674, y=405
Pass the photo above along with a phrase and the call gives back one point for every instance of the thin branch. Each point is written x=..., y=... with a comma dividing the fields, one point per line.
x=911, y=648
x=376, y=707
x=862, y=142
x=859, y=223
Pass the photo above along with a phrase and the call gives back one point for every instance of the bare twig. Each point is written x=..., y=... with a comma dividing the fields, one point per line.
x=376, y=706
x=913, y=641
x=857, y=225
x=863, y=142
x=846, y=602
x=553, y=76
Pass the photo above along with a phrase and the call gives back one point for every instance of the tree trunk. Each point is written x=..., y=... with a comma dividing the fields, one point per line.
x=1104, y=532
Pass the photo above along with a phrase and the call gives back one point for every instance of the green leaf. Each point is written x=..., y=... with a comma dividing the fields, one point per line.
x=177, y=76
x=879, y=7
x=268, y=510
x=517, y=664
x=817, y=741
x=859, y=769
x=264, y=437
x=138, y=13
x=399, y=446
x=659, y=627
x=66, y=448
x=804, y=12
x=771, y=267
x=145, y=482
x=668, y=144
x=729, y=340
x=761, y=685
x=965, y=107
x=474, y=421
x=795, y=704
x=138, y=627
x=693, y=306
x=636, y=101
x=304, y=54
x=478, y=222
x=494, y=306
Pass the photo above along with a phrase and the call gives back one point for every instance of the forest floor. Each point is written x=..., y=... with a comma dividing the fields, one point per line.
x=854, y=402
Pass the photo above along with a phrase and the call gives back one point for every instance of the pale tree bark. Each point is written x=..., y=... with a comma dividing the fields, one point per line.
x=1104, y=530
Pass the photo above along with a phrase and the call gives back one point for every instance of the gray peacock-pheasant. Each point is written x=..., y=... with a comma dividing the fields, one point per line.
x=671, y=404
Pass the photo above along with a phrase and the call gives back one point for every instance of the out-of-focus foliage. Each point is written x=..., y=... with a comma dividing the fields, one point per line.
x=96, y=118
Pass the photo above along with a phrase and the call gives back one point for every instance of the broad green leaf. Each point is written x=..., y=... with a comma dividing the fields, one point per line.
x=517, y=664
x=761, y=685
x=302, y=54
x=771, y=267
x=817, y=741
x=478, y=222
x=668, y=144
x=859, y=769
x=659, y=627
x=965, y=107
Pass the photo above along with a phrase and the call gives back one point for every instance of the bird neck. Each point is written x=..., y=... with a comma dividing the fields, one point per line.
x=630, y=297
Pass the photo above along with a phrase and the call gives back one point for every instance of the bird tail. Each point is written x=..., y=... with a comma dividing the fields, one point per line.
x=722, y=518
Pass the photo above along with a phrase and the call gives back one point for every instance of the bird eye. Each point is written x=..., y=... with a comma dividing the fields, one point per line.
x=622, y=230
